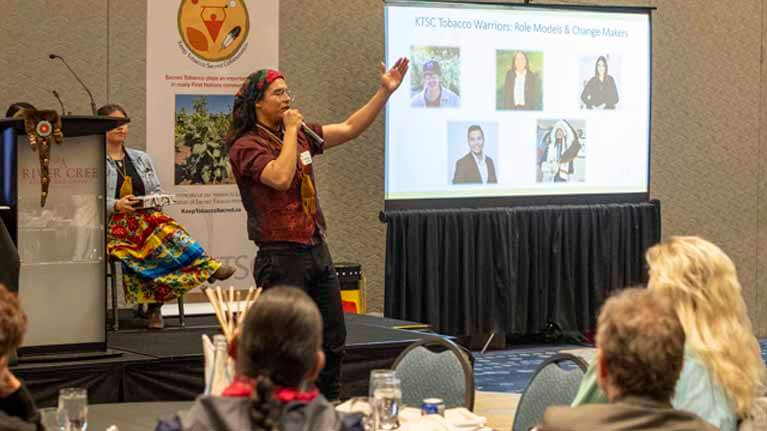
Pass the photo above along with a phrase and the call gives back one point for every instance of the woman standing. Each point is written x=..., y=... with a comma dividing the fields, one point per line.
x=522, y=89
x=160, y=260
x=600, y=92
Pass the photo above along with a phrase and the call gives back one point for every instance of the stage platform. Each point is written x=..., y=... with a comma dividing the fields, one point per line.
x=167, y=365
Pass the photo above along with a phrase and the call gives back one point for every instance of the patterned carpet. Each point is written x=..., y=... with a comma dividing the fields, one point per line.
x=510, y=370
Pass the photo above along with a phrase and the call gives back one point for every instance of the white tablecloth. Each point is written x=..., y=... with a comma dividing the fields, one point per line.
x=410, y=419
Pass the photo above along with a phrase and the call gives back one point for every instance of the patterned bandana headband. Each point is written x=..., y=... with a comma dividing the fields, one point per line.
x=256, y=83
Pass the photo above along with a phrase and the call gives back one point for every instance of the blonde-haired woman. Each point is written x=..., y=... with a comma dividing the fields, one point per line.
x=723, y=368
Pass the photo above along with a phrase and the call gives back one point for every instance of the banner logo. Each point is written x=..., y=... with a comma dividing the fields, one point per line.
x=213, y=30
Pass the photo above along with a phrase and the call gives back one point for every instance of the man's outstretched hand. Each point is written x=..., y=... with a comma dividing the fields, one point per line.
x=392, y=78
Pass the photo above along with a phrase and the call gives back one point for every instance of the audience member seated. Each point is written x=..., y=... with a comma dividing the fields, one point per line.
x=160, y=259
x=640, y=353
x=17, y=410
x=723, y=370
x=278, y=358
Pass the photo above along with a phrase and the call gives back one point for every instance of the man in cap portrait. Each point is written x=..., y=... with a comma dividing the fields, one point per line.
x=434, y=94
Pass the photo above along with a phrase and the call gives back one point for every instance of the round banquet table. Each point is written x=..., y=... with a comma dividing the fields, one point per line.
x=133, y=416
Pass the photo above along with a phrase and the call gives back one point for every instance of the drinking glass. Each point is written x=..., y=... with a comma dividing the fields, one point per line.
x=387, y=394
x=364, y=407
x=376, y=375
x=73, y=408
x=49, y=417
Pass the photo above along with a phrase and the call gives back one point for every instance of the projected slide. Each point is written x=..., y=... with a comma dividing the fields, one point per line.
x=517, y=101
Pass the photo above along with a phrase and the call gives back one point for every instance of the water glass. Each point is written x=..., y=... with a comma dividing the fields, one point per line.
x=364, y=407
x=49, y=417
x=387, y=394
x=375, y=375
x=379, y=374
x=73, y=409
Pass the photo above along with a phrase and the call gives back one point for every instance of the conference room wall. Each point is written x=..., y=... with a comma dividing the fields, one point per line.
x=708, y=125
x=708, y=115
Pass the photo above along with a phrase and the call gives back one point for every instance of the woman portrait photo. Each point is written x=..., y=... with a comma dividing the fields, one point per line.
x=600, y=92
x=522, y=84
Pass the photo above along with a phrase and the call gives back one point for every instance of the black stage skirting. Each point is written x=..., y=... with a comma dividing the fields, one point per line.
x=168, y=365
x=514, y=270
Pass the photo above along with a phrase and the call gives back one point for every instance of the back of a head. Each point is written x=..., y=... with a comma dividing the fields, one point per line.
x=641, y=344
x=695, y=273
x=281, y=336
x=17, y=107
x=13, y=322
x=109, y=109
x=702, y=283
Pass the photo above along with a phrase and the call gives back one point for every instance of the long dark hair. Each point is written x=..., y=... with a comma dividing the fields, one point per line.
x=596, y=66
x=514, y=61
x=280, y=339
x=243, y=120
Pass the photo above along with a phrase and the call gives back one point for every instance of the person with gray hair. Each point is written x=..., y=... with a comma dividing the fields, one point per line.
x=640, y=354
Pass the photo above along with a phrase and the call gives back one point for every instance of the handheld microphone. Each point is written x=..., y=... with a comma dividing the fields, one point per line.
x=90, y=95
x=56, y=95
x=307, y=130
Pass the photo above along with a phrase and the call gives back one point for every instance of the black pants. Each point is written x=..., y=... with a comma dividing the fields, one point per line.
x=311, y=269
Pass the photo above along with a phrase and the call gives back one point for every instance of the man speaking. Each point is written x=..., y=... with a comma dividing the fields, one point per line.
x=271, y=151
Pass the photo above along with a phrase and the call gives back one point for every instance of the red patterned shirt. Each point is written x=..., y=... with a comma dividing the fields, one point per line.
x=275, y=216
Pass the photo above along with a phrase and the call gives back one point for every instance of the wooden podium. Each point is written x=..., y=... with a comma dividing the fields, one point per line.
x=61, y=246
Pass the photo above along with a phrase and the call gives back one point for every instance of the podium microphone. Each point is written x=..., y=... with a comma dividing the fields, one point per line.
x=312, y=134
x=90, y=95
x=56, y=95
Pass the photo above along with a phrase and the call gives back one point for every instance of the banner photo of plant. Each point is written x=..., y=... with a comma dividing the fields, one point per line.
x=201, y=124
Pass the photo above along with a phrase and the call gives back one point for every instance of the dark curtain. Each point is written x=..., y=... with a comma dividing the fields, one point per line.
x=514, y=269
x=177, y=379
x=358, y=363
x=104, y=382
x=165, y=380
